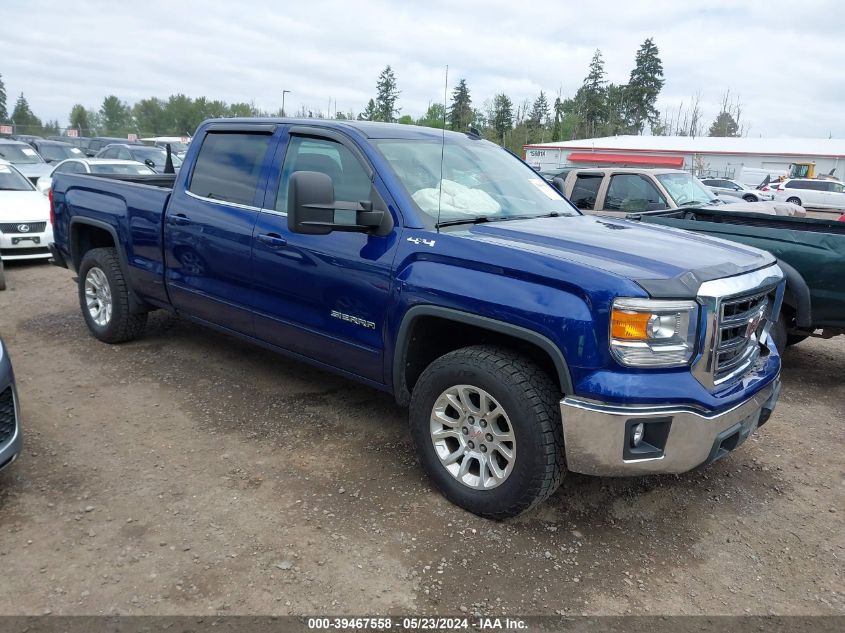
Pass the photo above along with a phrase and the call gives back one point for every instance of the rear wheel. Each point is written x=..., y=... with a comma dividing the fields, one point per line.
x=794, y=200
x=486, y=426
x=104, y=298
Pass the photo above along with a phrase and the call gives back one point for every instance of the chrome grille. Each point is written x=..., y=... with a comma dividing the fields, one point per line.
x=32, y=227
x=740, y=325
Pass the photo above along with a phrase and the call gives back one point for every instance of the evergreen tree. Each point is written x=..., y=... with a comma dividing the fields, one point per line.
x=115, y=115
x=501, y=118
x=644, y=86
x=538, y=118
x=724, y=125
x=461, y=113
x=591, y=99
x=25, y=120
x=386, y=95
x=150, y=116
x=369, y=113
x=4, y=112
x=79, y=120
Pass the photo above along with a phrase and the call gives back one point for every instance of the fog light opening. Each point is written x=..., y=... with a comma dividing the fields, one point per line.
x=637, y=434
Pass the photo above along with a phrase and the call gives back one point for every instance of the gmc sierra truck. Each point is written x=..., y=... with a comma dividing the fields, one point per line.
x=526, y=339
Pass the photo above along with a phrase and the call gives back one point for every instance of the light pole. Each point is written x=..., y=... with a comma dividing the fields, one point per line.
x=284, y=92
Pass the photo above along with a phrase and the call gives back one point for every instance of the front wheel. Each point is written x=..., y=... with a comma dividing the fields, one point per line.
x=104, y=298
x=750, y=198
x=794, y=200
x=486, y=426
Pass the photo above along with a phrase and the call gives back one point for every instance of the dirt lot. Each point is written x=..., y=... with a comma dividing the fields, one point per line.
x=190, y=473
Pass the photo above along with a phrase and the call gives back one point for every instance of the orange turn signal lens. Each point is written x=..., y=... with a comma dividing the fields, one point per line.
x=629, y=326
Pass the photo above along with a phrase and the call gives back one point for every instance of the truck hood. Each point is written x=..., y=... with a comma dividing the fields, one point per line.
x=23, y=206
x=666, y=262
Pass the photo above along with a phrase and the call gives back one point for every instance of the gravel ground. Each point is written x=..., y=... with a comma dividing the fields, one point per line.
x=191, y=473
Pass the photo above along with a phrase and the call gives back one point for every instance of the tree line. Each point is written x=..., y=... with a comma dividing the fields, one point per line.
x=597, y=108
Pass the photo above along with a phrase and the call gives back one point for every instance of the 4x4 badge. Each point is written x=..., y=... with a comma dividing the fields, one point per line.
x=420, y=240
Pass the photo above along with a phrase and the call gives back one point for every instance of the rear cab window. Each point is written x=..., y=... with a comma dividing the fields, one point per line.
x=228, y=166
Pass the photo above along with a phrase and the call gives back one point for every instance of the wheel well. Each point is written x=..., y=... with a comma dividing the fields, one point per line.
x=84, y=237
x=431, y=337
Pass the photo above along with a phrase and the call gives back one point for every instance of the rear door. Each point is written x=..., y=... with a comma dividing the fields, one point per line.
x=209, y=223
x=323, y=296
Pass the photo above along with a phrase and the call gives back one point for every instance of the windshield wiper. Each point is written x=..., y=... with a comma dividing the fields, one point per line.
x=481, y=219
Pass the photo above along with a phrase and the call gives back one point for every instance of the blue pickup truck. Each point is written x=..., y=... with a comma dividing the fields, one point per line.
x=526, y=339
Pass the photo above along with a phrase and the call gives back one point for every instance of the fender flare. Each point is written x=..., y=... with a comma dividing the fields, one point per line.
x=530, y=336
x=136, y=304
x=798, y=289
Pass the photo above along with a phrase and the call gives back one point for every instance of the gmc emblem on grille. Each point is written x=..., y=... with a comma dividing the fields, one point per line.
x=23, y=228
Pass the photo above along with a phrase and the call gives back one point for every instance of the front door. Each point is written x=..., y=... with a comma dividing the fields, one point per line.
x=323, y=296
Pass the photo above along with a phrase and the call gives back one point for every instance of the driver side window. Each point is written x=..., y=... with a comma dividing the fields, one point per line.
x=350, y=180
x=631, y=193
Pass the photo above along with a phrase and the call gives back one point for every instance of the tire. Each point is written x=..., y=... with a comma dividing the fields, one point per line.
x=529, y=403
x=794, y=200
x=750, y=198
x=778, y=335
x=101, y=275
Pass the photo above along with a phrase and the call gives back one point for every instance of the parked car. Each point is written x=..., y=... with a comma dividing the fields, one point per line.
x=25, y=158
x=526, y=338
x=25, y=230
x=10, y=433
x=153, y=157
x=96, y=143
x=812, y=193
x=177, y=146
x=56, y=151
x=735, y=189
x=811, y=253
x=630, y=189
x=25, y=138
x=93, y=166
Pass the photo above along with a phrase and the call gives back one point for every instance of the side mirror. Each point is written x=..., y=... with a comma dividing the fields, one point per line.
x=312, y=209
x=43, y=184
x=559, y=184
x=150, y=163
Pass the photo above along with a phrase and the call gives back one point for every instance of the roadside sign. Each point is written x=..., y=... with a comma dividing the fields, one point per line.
x=7, y=129
x=132, y=136
x=72, y=132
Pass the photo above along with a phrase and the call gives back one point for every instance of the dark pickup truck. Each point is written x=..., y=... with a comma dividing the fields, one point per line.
x=811, y=253
x=527, y=339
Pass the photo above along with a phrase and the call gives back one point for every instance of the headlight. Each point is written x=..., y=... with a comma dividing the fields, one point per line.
x=652, y=332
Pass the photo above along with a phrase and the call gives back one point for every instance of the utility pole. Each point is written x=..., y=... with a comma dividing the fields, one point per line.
x=284, y=92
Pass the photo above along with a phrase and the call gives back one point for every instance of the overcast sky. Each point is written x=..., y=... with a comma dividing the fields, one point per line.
x=786, y=64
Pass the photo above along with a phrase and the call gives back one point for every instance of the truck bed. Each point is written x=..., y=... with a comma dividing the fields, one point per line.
x=131, y=208
x=814, y=248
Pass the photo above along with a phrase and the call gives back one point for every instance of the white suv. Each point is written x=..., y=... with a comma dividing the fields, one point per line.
x=812, y=193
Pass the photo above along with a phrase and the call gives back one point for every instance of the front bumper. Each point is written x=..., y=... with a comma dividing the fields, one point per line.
x=10, y=442
x=677, y=439
x=14, y=246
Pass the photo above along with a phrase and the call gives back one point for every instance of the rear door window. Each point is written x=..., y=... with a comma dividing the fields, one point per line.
x=228, y=166
x=585, y=191
x=631, y=193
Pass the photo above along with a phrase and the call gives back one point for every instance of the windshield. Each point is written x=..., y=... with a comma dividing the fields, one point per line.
x=120, y=168
x=12, y=180
x=60, y=152
x=480, y=180
x=155, y=154
x=19, y=154
x=684, y=189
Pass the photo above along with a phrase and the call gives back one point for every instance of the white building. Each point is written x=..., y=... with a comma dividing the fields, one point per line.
x=746, y=159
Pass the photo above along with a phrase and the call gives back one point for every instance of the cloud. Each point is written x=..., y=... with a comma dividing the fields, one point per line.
x=781, y=61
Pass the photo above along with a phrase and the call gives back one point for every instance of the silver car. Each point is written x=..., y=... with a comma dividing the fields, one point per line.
x=10, y=435
x=725, y=187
